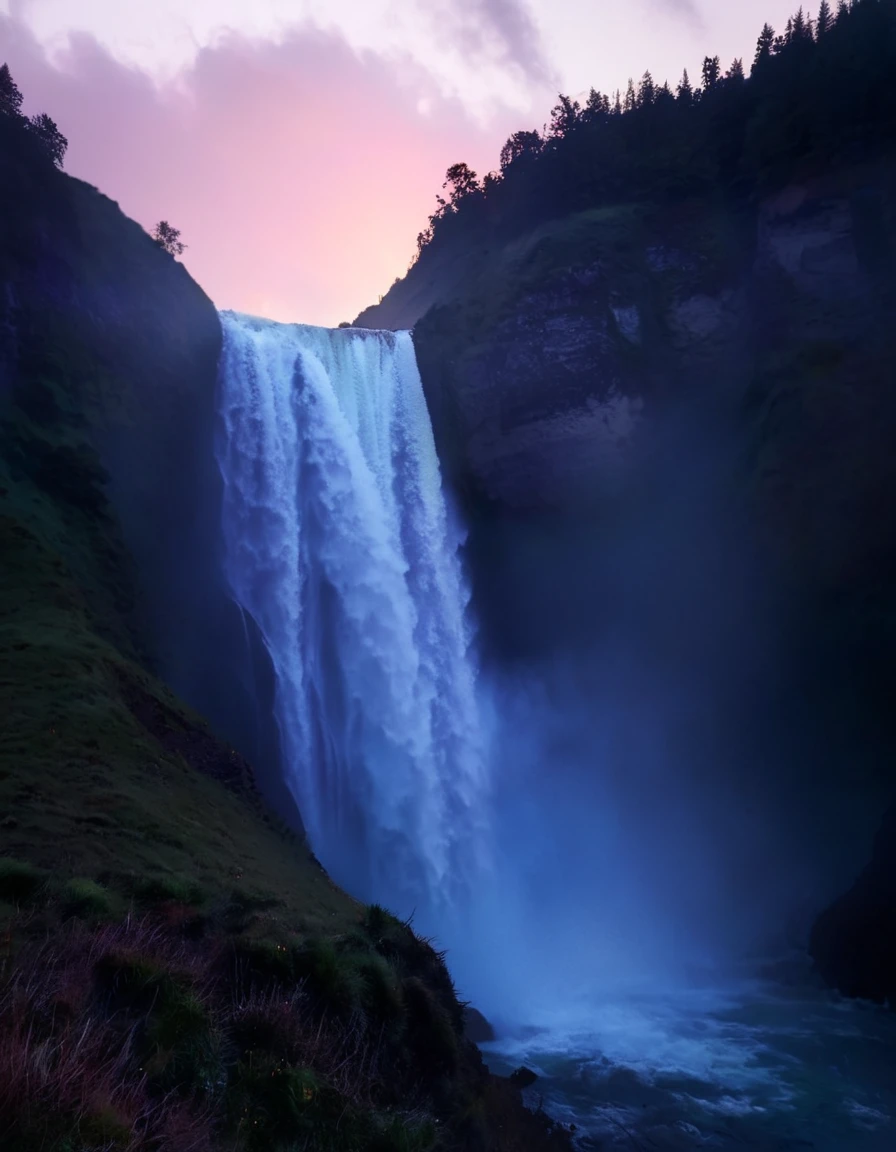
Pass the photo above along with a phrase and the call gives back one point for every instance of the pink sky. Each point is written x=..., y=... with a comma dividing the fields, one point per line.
x=299, y=161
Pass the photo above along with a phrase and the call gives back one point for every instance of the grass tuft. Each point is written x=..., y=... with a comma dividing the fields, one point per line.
x=168, y=889
x=131, y=980
x=86, y=899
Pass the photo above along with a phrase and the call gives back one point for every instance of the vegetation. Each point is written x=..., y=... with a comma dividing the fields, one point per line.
x=168, y=239
x=818, y=93
x=41, y=127
x=167, y=1028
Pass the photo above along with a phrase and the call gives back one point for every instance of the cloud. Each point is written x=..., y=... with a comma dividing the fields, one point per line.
x=508, y=26
x=686, y=9
x=299, y=172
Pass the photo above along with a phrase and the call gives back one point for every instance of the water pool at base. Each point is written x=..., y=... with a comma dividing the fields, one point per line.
x=762, y=1064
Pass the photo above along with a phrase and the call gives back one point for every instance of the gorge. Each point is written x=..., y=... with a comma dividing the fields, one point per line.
x=544, y=615
x=609, y=845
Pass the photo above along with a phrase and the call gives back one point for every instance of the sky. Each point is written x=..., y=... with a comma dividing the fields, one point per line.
x=299, y=144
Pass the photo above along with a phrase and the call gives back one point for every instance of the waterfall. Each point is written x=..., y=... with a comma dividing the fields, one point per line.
x=339, y=543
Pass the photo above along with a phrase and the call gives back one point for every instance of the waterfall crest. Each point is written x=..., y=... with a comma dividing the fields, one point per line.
x=339, y=543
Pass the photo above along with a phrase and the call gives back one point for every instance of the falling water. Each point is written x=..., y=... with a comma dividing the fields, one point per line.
x=339, y=543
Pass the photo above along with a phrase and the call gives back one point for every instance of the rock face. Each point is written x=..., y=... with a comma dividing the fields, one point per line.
x=542, y=364
x=108, y=370
x=854, y=941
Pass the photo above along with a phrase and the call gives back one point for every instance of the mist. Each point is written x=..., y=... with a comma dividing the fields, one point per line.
x=668, y=751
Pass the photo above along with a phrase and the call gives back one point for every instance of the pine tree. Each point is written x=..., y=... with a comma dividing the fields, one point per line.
x=712, y=71
x=597, y=107
x=685, y=91
x=765, y=46
x=564, y=117
x=664, y=95
x=44, y=129
x=825, y=20
x=735, y=73
x=631, y=99
x=617, y=103
x=646, y=91
x=10, y=96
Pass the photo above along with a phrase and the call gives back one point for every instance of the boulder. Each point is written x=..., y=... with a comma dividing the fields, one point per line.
x=523, y=1077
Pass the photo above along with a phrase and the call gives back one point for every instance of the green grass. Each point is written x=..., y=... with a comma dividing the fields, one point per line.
x=96, y=795
x=87, y=900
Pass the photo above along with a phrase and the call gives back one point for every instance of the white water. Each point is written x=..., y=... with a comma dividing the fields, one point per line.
x=339, y=543
x=756, y=1066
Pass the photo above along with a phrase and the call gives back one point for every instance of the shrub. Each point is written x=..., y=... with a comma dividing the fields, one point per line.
x=398, y=1134
x=382, y=996
x=20, y=882
x=266, y=960
x=432, y=1039
x=184, y=1050
x=131, y=980
x=86, y=899
x=333, y=978
x=414, y=955
x=379, y=923
x=271, y=1101
x=164, y=889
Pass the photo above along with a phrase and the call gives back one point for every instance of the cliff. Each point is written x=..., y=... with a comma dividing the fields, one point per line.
x=636, y=361
x=571, y=336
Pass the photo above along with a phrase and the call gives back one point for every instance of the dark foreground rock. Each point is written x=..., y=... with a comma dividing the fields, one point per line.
x=854, y=940
x=523, y=1077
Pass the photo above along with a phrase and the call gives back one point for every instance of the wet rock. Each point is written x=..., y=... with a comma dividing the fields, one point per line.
x=523, y=1077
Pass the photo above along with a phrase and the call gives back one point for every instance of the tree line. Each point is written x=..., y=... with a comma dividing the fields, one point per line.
x=45, y=132
x=821, y=91
x=41, y=127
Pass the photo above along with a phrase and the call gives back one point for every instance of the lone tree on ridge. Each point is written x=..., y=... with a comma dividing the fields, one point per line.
x=168, y=239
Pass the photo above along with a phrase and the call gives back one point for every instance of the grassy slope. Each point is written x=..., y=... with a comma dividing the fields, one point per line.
x=104, y=774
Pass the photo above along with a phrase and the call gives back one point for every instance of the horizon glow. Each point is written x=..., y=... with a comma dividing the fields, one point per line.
x=299, y=146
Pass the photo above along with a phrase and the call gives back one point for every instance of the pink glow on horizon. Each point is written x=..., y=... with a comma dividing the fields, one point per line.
x=299, y=173
x=300, y=170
